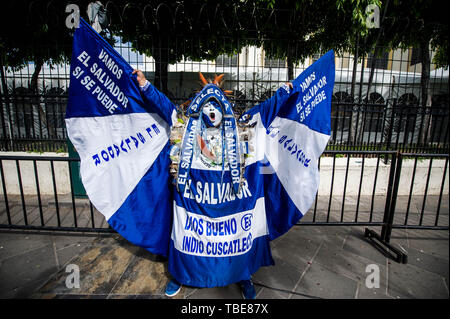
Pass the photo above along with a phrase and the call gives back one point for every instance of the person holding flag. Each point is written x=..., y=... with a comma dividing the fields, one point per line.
x=214, y=219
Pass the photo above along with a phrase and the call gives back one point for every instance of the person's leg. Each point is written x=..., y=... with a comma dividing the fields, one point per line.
x=247, y=289
x=173, y=288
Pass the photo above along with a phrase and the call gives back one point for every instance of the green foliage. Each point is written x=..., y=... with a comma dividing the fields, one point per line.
x=316, y=27
x=441, y=57
x=440, y=43
x=203, y=29
x=31, y=38
x=408, y=23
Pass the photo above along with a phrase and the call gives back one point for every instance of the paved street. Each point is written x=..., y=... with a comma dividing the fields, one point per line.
x=311, y=261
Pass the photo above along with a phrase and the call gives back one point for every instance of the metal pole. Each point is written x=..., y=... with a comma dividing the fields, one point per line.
x=5, y=94
x=389, y=219
x=389, y=196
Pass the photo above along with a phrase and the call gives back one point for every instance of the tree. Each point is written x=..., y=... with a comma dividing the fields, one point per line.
x=170, y=31
x=39, y=37
x=424, y=25
x=304, y=28
x=203, y=29
x=311, y=27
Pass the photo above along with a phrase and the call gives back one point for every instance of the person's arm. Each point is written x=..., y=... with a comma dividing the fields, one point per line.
x=154, y=99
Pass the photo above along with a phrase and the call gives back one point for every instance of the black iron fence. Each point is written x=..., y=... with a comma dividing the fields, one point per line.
x=358, y=188
x=40, y=126
x=375, y=106
x=44, y=193
x=34, y=122
x=389, y=126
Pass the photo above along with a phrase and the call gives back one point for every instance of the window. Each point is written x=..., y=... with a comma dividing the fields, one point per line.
x=408, y=99
x=341, y=113
x=55, y=107
x=225, y=60
x=374, y=111
x=439, y=118
x=315, y=57
x=380, y=62
x=415, y=56
x=274, y=63
x=405, y=112
x=376, y=98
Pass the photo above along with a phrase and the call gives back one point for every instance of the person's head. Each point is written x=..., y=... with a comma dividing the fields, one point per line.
x=212, y=114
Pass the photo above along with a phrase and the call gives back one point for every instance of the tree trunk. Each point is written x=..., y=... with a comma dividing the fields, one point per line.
x=35, y=102
x=5, y=112
x=356, y=120
x=351, y=129
x=364, y=109
x=376, y=52
x=422, y=119
x=161, y=69
x=34, y=78
x=355, y=65
x=290, y=65
x=388, y=118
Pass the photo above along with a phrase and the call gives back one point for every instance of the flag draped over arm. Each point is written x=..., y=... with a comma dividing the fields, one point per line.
x=122, y=137
x=295, y=125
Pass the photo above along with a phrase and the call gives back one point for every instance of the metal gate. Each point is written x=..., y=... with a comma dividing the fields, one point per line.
x=378, y=189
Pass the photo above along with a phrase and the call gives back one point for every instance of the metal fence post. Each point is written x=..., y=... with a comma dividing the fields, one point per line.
x=390, y=210
x=390, y=126
x=381, y=242
x=4, y=102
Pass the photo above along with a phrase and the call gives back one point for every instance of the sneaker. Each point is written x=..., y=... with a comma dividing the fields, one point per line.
x=173, y=288
x=247, y=289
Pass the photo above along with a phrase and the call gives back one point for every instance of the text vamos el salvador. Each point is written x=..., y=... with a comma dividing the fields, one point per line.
x=95, y=78
x=314, y=95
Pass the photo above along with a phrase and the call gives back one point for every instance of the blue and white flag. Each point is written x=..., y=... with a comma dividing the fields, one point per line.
x=122, y=137
x=215, y=225
x=221, y=236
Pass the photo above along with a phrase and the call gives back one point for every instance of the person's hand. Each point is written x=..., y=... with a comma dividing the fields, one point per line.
x=288, y=87
x=140, y=77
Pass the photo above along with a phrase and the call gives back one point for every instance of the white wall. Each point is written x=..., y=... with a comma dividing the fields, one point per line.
x=370, y=165
x=28, y=176
x=326, y=167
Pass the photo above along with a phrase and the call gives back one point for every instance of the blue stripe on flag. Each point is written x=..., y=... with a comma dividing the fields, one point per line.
x=145, y=218
x=282, y=213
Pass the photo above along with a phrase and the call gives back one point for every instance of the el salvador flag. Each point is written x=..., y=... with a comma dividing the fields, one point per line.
x=297, y=125
x=221, y=237
x=213, y=235
x=122, y=137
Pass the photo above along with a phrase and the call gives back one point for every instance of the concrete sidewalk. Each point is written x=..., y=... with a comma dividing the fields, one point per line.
x=311, y=262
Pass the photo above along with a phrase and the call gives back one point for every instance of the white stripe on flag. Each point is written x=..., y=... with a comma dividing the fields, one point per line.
x=116, y=152
x=293, y=151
